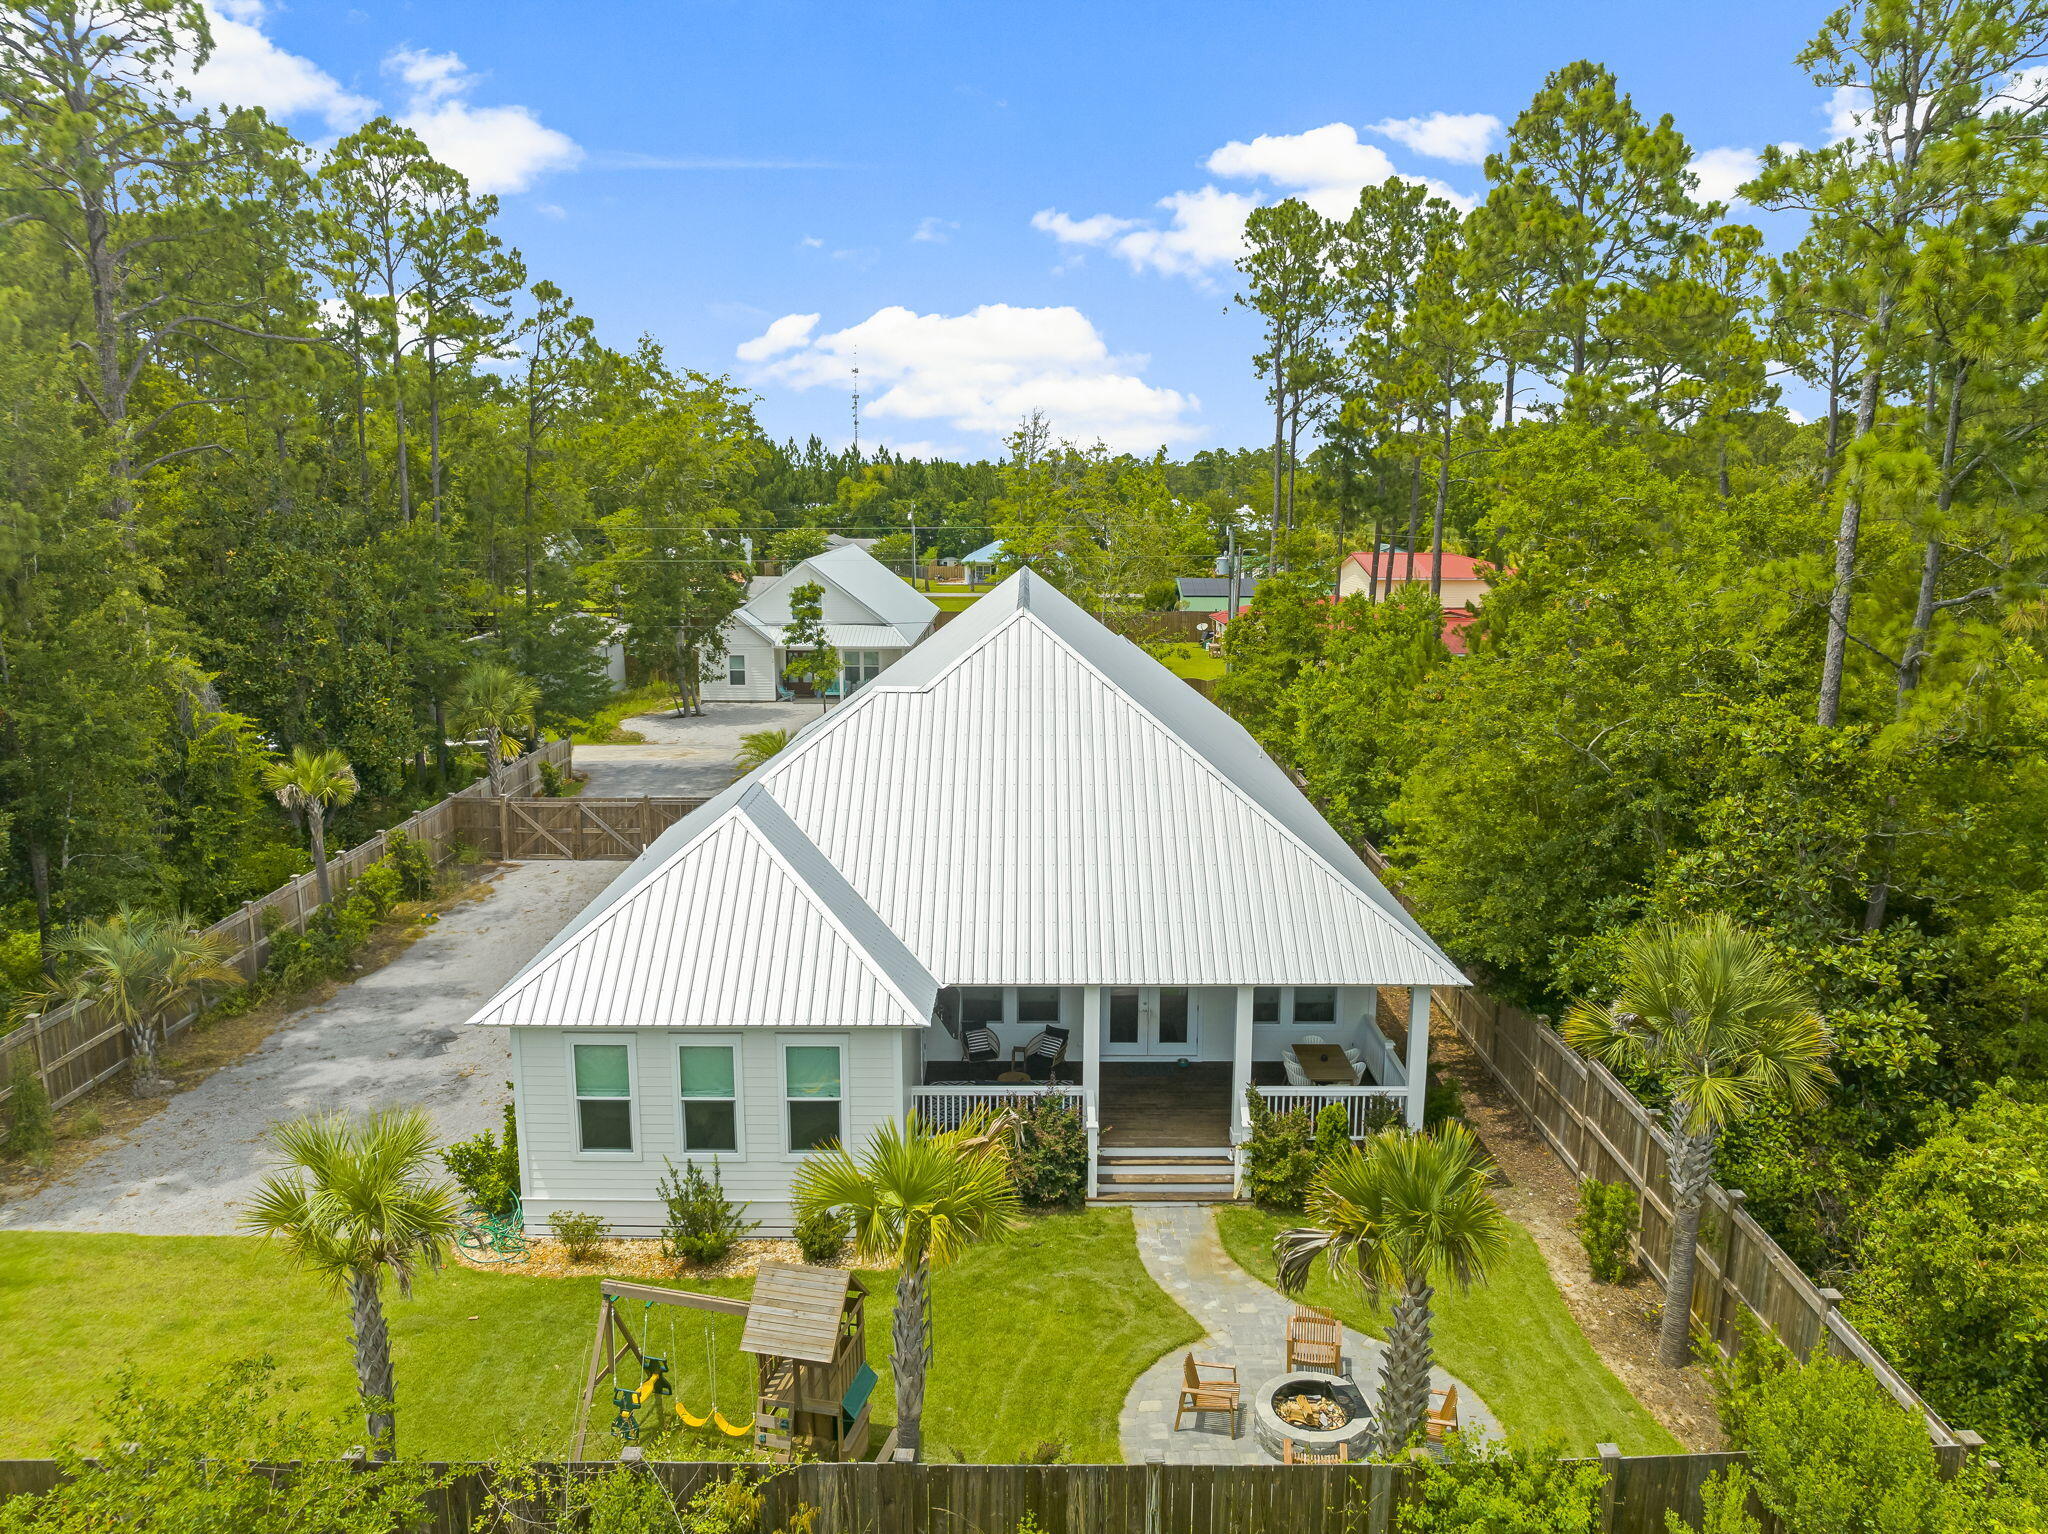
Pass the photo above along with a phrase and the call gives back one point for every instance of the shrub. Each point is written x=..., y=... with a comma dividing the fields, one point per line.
x=1441, y=1101
x=380, y=886
x=1333, y=1132
x=31, y=1125
x=1280, y=1156
x=1049, y=1153
x=413, y=862
x=1606, y=1223
x=582, y=1235
x=1479, y=1485
x=703, y=1225
x=486, y=1168
x=821, y=1237
x=554, y=783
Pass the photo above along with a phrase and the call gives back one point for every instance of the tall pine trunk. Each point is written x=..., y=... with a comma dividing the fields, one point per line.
x=1404, y=1371
x=910, y=1331
x=1692, y=1163
x=1847, y=535
x=374, y=1383
x=1436, y=526
x=1414, y=509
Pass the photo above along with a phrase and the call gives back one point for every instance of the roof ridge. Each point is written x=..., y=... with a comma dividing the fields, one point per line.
x=1425, y=947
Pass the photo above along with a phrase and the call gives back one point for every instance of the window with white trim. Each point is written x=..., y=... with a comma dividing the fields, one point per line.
x=1315, y=1004
x=603, y=1083
x=813, y=1089
x=1266, y=1004
x=736, y=669
x=860, y=667
x=710, y=1095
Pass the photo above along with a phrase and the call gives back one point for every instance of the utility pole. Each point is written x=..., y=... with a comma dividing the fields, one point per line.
x=856, y=407
x=1230, y=614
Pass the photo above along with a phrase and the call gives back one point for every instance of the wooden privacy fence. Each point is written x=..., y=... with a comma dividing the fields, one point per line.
x=566, y=828
x=1072, y=1499
x=76, y=1047
x=1596, y=1127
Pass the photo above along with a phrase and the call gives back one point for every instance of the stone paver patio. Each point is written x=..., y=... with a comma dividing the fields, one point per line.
x=1247, y=1326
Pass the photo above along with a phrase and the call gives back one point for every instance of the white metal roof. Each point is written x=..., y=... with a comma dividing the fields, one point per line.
x=841, y=636
x=859, y=589
x=1023, y=799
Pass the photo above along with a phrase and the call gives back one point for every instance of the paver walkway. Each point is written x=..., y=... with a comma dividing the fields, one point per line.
x=1247, y=1325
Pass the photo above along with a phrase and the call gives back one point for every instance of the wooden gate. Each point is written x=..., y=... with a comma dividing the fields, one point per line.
x=568, y=828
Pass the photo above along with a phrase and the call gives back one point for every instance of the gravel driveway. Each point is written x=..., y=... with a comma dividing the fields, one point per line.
x=392, y=1037
x=683, y=756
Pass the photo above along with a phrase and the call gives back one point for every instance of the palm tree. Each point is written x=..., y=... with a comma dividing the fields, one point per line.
x=356, y=1199
x=1398, y=1216
x=917, y=1198
x=758, y=746
x=309, y=784
x=1713, y=1014
x=139, y=967
x=496, y=702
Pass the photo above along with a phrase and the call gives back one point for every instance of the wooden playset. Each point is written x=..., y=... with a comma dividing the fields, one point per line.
x=807, y=1332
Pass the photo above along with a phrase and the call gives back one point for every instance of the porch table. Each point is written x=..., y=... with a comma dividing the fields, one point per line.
x=1325, y=1065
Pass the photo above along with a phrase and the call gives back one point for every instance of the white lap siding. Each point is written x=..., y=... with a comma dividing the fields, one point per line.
x=759, y=656
x=624, y=1187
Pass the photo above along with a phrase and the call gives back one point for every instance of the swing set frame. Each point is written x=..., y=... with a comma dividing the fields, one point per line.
x=809, y=1343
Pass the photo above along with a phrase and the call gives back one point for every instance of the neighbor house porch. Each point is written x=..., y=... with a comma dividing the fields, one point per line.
x=1167, y=1069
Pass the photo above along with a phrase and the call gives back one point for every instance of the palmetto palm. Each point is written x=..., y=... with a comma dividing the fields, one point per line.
x=496, y=702
x=759, y=746
x=356, y=1199
x=917, y=1198
x=1708, y=1009
x=138, y=967
x=1398, y=1216
x=311, y=783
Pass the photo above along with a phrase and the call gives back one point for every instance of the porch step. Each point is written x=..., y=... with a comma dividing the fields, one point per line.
x=1200, y=1154
x=1163, y=1196
x=1181, y=1171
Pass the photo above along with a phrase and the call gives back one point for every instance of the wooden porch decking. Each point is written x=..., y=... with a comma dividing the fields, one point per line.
x=1165, y=1105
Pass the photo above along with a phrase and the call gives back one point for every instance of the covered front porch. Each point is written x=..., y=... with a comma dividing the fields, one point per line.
x=1168, y=1068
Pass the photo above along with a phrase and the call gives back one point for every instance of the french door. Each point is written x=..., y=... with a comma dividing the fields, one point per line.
x=1143, y=1020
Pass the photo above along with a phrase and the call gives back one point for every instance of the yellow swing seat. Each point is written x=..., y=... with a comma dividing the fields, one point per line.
x=713, y=1418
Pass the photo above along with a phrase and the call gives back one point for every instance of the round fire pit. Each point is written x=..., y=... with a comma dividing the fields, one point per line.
x=1316, y=1412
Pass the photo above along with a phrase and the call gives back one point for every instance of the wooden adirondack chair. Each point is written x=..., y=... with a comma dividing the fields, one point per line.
x=1198, y=1395
x=1315, y=1341
x=1443, y=1413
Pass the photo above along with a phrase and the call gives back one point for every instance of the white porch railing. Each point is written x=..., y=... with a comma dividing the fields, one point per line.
x=948, y=1107
x=1362, y=1105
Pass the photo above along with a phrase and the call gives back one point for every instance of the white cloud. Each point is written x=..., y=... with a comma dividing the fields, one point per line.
x=934, y=231
x=246, y=69
x=1204, y=229
x=551, y=210
x=1462, y=137
x=500, y=149
x=980, y=372
x=792, y=330
x=1721, y=171
x=811, y=242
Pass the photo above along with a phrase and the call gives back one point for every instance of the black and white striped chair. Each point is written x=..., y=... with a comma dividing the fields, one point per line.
x=981, y=1044
x=1042, y=1056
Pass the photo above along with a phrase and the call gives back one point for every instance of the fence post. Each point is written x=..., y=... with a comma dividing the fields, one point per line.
x=1154, y=1465
x=1610, y=1471
x=504, y=827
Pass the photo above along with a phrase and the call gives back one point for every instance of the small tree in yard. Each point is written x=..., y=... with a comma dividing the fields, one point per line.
x=917, y=1197
x=1397, y=1216
x=355, y=1200
x=140, y=968
x=310, y=784
x=811, y=659
x=1713, y=1014
x=496, y=702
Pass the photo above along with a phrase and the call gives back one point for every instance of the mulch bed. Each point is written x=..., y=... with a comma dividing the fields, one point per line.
x=1620, y=1320
x=635, y=1258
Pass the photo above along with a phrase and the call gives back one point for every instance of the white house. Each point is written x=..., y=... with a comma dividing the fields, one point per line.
x=872, y=615
x=1026, y=833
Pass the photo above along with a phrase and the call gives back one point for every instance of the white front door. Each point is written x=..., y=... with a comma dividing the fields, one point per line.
x=1145, y=1020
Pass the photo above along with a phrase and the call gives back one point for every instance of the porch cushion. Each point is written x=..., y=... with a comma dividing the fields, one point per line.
x=1049, y=1044
x=982, y=1044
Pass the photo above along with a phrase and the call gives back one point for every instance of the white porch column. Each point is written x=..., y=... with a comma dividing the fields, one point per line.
x=1240, y=1084
x=1417, y=1063
x=1091, y=1072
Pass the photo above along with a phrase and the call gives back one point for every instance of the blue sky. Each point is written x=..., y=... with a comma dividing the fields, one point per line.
x=968, y=197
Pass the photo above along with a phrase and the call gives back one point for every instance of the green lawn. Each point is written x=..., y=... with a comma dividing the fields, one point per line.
x=1190, y=660
x=1038, y=1340
x=954, y=599
x=1512, y=1340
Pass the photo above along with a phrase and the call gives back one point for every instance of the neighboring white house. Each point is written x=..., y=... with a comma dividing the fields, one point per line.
x=1025, y=830
x=872, y=615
